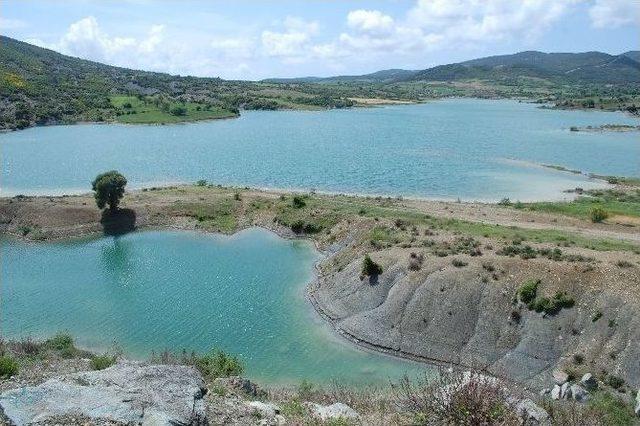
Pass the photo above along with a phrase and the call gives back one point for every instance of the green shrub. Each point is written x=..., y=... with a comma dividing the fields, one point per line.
x=614, y=381
x=528, y=291
x=60, y=342
x=458, y=263
x=63, y=344
x=201, y=182
x=218, y=363
x=551, y=306
x=596, y=316
x=298, y=202
x=8, y=366
x=178, y=111
x=369, y=267
x=100, y=362
x=598, y=214
x=624, y=264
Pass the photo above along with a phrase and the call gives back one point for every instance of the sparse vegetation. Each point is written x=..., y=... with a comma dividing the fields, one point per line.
x=218, y=363
x=298, y=202
x=598, y=214
x=100, y=362
x=8, y=366
x=369, y=267
x=528, y=291
x=454, y=399
x=458, y=263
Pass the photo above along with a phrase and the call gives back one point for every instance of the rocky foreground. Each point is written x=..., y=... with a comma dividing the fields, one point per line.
x=134, y=393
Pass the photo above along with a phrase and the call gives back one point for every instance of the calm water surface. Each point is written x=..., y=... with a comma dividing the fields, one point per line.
x=460, y=148
x=149, y=291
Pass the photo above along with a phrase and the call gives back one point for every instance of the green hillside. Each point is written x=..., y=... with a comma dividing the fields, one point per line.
x=39, y=86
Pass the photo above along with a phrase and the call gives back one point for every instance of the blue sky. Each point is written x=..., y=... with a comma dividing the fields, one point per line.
x=254, y=39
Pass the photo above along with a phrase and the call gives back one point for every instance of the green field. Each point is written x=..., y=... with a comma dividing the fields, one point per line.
x=616, y=203
x=157, y=110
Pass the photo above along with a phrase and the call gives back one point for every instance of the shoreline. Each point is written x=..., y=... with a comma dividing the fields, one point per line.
x=566, y=193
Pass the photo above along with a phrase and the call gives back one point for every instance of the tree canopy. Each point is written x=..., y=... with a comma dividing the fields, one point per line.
x=109, y=189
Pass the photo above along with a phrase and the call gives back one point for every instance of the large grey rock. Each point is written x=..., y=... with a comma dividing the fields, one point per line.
x=555, y=392
x=637, y=409
x=265, y=409
x=127, y=392
x=560, y=377
x=579, y=393
x=333, y=411
x=589, y=382
x=530, y=412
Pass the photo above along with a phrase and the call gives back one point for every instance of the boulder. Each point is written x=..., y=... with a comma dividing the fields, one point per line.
x=560, y=377
x=589, y=382
x=242, y=384
x=579, y=393
x=555, y=392
x=565, y=391
x=265, y=409
x=532, y=413
x=127, y=393
x=333, y=411
x=545, y=392
x=637, y=409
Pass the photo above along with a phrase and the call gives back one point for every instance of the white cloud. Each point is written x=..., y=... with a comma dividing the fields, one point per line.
x=441, y=24
x=293, y=43
x=372, y=22
x=487, y=20
x=86, y=39
x=614, y=13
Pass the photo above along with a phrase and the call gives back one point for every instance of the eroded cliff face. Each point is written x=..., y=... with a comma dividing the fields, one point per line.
x=472, y=315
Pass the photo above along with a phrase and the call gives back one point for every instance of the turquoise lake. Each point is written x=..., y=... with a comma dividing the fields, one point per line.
x=149, y=291
x=456, y=148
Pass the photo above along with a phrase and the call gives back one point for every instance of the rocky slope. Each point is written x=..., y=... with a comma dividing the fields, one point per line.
x=470, y=314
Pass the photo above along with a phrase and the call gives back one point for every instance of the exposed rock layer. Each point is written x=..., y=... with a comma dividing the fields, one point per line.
x=470, y=317
x=129, y=393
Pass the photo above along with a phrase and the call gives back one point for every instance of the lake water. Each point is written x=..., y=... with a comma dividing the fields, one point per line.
x=148, y=291
x=458, y=148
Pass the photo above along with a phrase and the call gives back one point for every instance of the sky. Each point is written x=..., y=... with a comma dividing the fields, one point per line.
x=255, y=39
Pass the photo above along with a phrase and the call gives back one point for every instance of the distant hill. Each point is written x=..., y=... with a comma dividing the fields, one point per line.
x=633, y=54
x=588, y=67
x=384, y=76
x=572, y=68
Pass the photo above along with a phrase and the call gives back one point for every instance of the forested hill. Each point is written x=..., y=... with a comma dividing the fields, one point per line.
x=589, y=67
x=40, y=86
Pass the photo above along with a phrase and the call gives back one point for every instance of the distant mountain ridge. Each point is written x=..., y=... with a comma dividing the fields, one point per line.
x=383, y=76
x=586, y=67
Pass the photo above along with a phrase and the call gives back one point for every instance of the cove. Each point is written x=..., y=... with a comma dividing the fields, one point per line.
x=456, y=148
x=153, y=290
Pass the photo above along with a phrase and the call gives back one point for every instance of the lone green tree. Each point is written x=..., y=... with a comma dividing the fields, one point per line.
x=109, y=189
